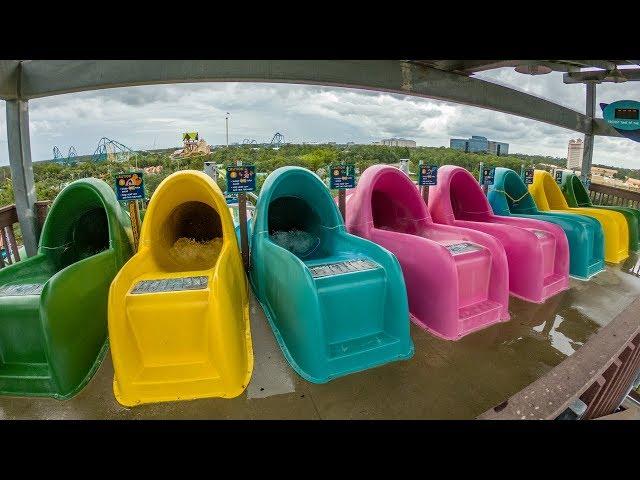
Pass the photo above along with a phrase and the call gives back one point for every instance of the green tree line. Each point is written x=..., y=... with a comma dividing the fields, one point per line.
x=51, y=177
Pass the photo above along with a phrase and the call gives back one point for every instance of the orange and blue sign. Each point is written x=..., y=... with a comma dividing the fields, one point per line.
x=343, y=176
x=241, y=179
x=428, y=175
x=129, y=186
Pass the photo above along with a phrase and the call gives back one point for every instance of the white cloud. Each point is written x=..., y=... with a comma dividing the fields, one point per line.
x=144, y=117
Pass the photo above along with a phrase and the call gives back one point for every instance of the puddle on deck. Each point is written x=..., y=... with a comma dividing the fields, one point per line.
x=443, y=380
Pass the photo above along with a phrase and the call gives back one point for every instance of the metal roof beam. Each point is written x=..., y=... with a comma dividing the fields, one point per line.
x=603, y=64
x=43, y=78
x=9, y=73
x=603, y=129
x=467, y=67
x=631, y=74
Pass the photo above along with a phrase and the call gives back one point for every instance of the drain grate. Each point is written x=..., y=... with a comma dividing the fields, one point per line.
x=170, y=285
x=340, y=268
x=460, y=248
x=21, y=290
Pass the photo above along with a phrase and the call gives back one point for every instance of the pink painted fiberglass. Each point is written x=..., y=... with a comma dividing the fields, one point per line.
x=456, y=278
x=537, y=251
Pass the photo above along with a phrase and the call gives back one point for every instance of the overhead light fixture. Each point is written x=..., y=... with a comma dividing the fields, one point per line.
x=615, y=76
x=533, y=69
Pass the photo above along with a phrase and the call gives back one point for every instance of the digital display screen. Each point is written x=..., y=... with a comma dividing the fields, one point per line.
x=627, y=113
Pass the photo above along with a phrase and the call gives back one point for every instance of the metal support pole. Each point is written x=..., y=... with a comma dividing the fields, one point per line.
x=587, y=155
x=242, y=219
x=226, y=119
x=22, y=171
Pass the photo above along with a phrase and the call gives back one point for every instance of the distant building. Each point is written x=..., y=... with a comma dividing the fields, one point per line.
x=398, y=142
x=633, y=183
x=479, y=144
x=574, y=153
x=603, y=172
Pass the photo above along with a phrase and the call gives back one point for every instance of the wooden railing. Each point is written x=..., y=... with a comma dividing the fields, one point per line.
x=607, y=195
x=589, y=384
x=612, y=196
x=9, y=244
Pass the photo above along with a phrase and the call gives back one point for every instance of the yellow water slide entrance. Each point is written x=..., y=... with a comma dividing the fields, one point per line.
x=179, y=309
x=549, y=198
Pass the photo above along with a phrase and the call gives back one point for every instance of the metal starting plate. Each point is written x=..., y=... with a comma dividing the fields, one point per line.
x=21, y=290
x=340, y=268
x=170, y=285
x=460, y=248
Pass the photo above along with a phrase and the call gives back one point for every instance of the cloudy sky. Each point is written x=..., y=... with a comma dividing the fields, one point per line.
x=154, y=117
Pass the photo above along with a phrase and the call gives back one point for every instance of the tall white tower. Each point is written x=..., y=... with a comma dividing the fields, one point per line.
x=574, y=154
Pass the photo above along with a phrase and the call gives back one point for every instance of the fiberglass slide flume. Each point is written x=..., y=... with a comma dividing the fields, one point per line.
x=510, y=197
x=179, y=309
x=577, y=197
x=457, y=279
x=549, y=198
x=53, y=306
x=337, y=303
x=537, y=251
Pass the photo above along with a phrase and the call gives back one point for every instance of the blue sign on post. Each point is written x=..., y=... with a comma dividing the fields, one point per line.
x=559, y=177
x=241, y=179
x=428, y=175
x=624, y=116
x=488, y=175
x=343, y=176
x=129, y=186
x=528, y=176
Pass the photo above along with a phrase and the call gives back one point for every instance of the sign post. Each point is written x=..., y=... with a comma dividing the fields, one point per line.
x=558, y=175
x=130, y=189
x=242, y=179
x=342, y=178
x=427, y=176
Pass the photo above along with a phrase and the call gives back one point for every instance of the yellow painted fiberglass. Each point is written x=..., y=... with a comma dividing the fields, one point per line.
x=179, y=308
x=549, y=198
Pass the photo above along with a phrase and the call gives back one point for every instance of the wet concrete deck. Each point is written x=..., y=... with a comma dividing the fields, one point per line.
x=444, y=380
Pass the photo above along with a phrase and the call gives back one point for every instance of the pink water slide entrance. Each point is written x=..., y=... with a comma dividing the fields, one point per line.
x=456, y=278
x=537, y=251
